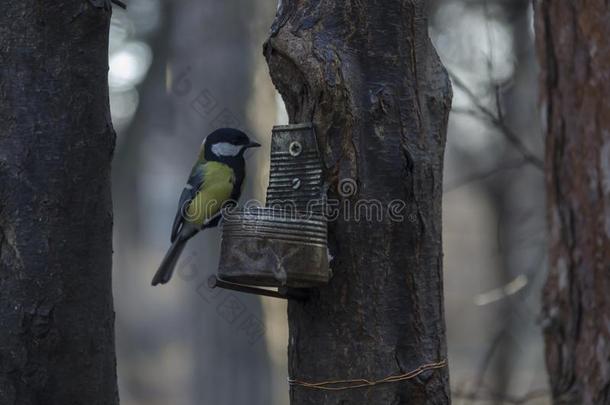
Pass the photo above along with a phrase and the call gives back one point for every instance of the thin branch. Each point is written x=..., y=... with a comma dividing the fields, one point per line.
x=498, y=103
x=499, y=123
x=511, y=165
x=120, y=4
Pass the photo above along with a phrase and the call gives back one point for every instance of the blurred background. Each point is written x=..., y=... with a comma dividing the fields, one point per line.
x=181, y=68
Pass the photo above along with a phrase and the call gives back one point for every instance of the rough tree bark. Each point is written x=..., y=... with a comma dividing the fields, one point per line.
x=369, y=78
x=56, y=143
x=574, y=52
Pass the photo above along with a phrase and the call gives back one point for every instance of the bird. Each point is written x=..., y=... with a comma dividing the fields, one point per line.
x=214, y=182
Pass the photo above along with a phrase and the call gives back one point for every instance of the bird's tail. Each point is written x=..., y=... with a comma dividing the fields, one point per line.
x=166, y=269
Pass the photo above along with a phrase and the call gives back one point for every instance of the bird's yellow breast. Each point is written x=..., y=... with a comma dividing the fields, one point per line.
x=217, y=187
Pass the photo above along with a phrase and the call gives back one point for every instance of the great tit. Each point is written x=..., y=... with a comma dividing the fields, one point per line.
x=214, y=182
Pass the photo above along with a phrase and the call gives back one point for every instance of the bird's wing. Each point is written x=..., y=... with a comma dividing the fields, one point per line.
x=216, y=190
x=194, y=183
x=208, y=189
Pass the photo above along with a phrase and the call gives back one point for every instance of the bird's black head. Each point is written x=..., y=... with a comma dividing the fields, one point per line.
x=226, y=144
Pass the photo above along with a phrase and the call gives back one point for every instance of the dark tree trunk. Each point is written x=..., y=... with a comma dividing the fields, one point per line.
x=369, y=78
x=574, y=51
x=56, y=144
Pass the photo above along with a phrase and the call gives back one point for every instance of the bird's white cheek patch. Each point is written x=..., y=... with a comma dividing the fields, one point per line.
x=226, y=149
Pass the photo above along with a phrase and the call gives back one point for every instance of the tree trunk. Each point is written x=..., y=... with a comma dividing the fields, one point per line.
x=56, y=144
x=369, y=78
x=574, y=51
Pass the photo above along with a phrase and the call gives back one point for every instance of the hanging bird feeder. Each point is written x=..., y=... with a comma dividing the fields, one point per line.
x=283, y=244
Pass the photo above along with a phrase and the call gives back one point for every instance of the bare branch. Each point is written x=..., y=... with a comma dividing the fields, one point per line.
x=510, y=165
x=498, y=122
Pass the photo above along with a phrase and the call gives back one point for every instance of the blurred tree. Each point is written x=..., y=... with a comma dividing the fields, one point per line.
x=488, y=46
x=212, y=67
x=573, y=39
x=367, y=75
x=202, y=77
x=520, y=220
x=140, y=340
x=56, y=144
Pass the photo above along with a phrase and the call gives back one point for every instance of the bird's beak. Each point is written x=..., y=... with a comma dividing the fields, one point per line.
x=253, y=145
